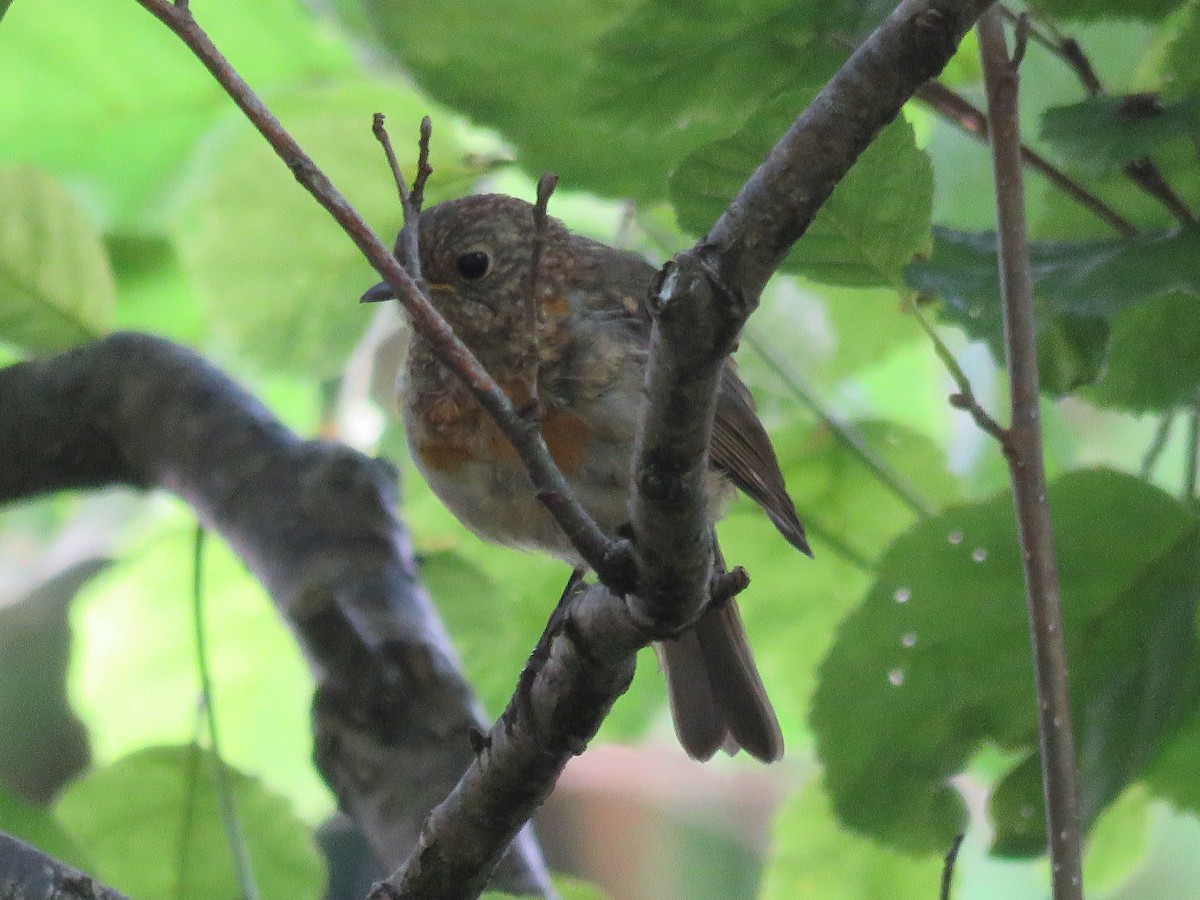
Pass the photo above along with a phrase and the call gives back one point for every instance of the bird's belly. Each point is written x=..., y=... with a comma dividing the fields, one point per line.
x=493, y=496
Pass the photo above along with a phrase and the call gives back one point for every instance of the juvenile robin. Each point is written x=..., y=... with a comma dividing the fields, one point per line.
x=571, y=340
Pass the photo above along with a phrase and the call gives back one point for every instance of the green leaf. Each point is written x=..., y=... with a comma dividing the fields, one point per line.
x=935, y=663
x=1077, y=288
x=56, y=287
x=1100, y=134
x=39, y=828
x=279, y=277
x=151, y=823
x=812, y=858
x=119, y=126
x=491, y=60
x=1089, y=10
x=1152, y=357
x=264, y=710
x=1180, y=69
x=874, y=223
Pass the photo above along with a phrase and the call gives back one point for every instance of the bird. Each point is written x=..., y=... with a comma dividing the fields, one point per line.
x=561, y=321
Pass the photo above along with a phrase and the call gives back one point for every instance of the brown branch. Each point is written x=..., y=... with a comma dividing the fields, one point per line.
x=1142, y=172
x=973, y=120
x=584, y=661
x=1027, y=472
x=313, y=521
x=609, y=558
x=27, y=873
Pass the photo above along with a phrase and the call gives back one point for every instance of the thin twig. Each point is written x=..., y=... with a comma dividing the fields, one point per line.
x=1192, y=462
x=965, y=399
x=847, y=435
x=407, y=246
x=226, y=802
x=424, y=170
x=973, y=120
x=948, y=866
x=1161, y=435
x=545, y=187
x=1027, y=472
x=611, y=560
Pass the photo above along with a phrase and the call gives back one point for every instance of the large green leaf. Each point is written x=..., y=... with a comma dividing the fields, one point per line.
x=935, y=663
x=280, y=278
x=812, y=858
x=151, y=823
x=56, y=286
x=1103, y=133
x=875, y=222
x=119, y=125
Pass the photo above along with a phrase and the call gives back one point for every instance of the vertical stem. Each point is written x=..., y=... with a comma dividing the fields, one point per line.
x=1193, y=454
x=1024, y=454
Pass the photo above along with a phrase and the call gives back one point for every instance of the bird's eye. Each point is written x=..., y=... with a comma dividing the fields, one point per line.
x=473, y=264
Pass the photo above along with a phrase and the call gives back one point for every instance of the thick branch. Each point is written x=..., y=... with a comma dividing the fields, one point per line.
x=707, y=293
x=27, y=873
x=1059, y=773
x=312, y=520
x=583, y=663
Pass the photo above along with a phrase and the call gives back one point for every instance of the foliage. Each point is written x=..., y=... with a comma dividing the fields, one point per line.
x=133, y=196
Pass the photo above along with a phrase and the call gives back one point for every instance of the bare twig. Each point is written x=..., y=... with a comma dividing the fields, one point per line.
x=226, y=802
x=610, y=559
x=545, y=187
x=1192, y=461
x=1161, y=435
x=407, y=246
x=424, y=170
x=948, y=866
x=1059, y=772
x=965, y=399
x=973, y=120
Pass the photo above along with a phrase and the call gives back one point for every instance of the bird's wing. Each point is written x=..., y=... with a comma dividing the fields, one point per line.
x=742, y=450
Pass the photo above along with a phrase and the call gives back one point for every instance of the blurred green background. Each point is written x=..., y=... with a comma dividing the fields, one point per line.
x=134, y=196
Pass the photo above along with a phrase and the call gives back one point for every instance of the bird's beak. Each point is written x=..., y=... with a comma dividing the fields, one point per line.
x=377, y=294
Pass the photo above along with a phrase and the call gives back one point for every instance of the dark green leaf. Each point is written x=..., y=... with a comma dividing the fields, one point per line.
x=56, y=287
x=1152, y=357
x=1088, y=10
x=1078, y=289
x=875, y=222
x=150, y=822
x=1100, y=134
x=935, y=663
